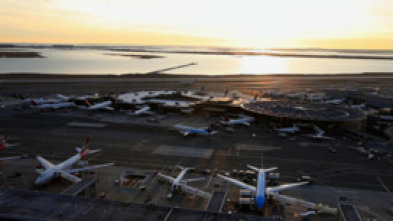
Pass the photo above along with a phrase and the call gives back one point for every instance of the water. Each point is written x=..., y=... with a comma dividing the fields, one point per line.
x=94, y=61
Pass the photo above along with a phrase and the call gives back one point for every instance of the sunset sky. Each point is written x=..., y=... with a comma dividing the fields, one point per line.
x=360, y=24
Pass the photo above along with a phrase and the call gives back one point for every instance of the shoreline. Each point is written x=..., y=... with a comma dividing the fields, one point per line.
x=34, y=75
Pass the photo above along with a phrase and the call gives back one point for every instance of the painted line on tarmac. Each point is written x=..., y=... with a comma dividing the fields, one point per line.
x=383, y=185
x=81, y=124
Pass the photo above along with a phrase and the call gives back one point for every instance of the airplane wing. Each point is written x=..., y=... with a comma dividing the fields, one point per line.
x=309, y=205
x=89, y=168
x=68, y=176
x=195, y=191
x=62, y=97
x=247, y=124
x=238, y=183
x=192, y=180
x=109, y=108
x=317, y=129
x=284, y=187
x=93, y=151
x=12, y=145
x=185, y=133
x=10, y=158
x=170, y=179
x=45, y=163
x=320, y=134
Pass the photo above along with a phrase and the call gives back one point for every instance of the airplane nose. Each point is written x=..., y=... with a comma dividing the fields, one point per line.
x=39, y=180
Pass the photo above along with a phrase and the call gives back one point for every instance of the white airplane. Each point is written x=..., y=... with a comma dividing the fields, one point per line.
x=105, y=105
x=320, y=134
x=292, y=129
x=179, y=183
x=262, y=192
x=64, y=169
x=358, y=106
x=314, y=97
x=232, y=122
x=5, y=145
x=141, y=111
x=54, y=106
x=186, y=130
x=334, y=101
x=40, y=101
x=225, y=94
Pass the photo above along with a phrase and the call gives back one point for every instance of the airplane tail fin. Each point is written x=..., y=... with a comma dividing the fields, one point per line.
x=87, y=103
x=87, y=142
x=5, y=137
x=261, y=169
x=4, y=141
x=185, y=168
x=85, y=148
x=226, y=91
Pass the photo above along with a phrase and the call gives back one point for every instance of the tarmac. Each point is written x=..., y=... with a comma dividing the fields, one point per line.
x=134, y=143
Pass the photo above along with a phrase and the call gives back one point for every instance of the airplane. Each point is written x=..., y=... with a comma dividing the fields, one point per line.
x=39, y=101
x=105, y=105
x=358, y=106
x=320, y=134
x=262, y=192
x=225, y=94
x=5, y=145
x=186, y=130
x=334, y=101
x=179, y=183
x=142, y=111
x=232, y=122
x=292, y=129
x=314, y=97
x=53, y=106
x=64, y=169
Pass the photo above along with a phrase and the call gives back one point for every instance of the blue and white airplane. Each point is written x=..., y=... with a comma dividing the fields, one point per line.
x=186, y=130
x=261, y=191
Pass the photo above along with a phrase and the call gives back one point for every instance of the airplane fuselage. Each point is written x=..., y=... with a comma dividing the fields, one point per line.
x=260, y=197
x=103, y=105
x=50, y=173
x=179, y=178
x=191, y=130
x=245, y=121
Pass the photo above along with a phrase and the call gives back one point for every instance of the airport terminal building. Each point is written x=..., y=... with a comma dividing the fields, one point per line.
x=289, y=112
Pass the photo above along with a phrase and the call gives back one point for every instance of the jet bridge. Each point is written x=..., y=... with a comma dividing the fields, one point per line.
x=293, y=201
x=85, y=187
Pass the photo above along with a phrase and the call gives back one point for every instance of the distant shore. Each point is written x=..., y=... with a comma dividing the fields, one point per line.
x=19, y=54
x=252, y=53
x=137, y=56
